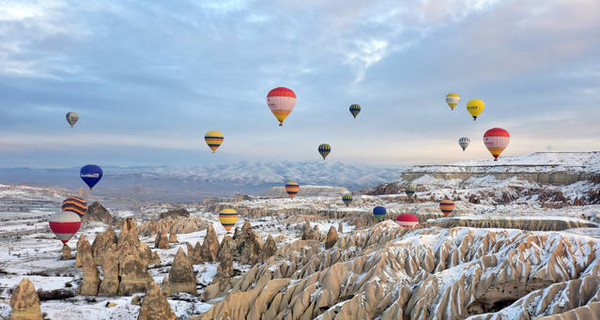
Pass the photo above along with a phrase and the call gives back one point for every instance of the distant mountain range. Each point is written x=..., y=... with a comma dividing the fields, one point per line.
x=194, y=183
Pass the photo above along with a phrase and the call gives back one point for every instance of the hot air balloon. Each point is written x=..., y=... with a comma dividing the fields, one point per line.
x=463, y=142
x=407, y=220
x=228, y=218
x=496, y=140
x=410, y=191
x=355, y=110
x=281, y=101
x=347, y=198
x=90, y=174
x=213, y=139
x=452, y=99
x=72, y=118
x=475, y=107
x=447, y=206
x=75, y=204
x=292, y=188
x=379, y=213
x=324, y=150
x=64, y=224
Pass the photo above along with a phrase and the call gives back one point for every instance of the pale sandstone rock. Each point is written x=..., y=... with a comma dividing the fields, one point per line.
x=25, y=302
x=210, y=247
x=155, y=305
x=181, y=276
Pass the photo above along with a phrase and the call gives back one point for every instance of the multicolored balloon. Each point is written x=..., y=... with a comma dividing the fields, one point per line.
x=213, y=139
x=292, y=188
x=410, y=191
x=354, y=110
x=452, y=99
x=447, y=206
x=228, y=217
x=464, y=142
x=496, y=140
x=347, y=198
x=75, y=204
x=281, y=101
x=379, y=213
x=475, y=107
x=324, y=150
x=407, y=220
x=72, y=118
x=90, y=174
x=65, y=224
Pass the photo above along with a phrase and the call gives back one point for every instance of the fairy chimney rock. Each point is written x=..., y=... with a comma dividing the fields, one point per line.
x=25, y=302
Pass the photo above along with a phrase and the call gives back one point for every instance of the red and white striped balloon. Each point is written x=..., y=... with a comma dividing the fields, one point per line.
x=407, y=220
x=65, y=224
x=496, y=140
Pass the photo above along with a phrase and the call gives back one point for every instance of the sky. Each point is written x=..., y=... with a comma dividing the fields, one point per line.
x=149, y=78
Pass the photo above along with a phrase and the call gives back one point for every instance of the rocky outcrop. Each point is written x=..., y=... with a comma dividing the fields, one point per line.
x=523, y=223
x=173, y=237
x=80, y=247
x=210, y=247
x=174, y=213
x=309, y=233
x=155, y=305
x=25, y=302
x=181, y=276
x=129, y=243
x=103, y=243
x=161, y=241
x=269, y=249
x=110, y=269
x=222, y=280
x=388, y=272
x=249, y=245
x=332, y=238
x=97, y=212
x=65, y=253
x=91, y=277
x=173, y=226
x=133, y=274
x=229, y=245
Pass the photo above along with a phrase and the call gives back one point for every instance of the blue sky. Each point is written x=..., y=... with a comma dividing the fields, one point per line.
x=148, y=79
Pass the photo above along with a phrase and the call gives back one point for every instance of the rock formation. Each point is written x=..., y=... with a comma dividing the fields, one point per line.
x=97, y=212
x=341, y=227
x=25, y=302
x=155, y=305
x=91, y=277
x=229, y=245
x=110, y=269
x=129, y=243
x=161, y=241
x=173, y=226
x=210, y=247
x=134, y=275
x=388, y=272
x=80, y=244
x=269, y=249
x=65, y=253
x=181, y=276
x=103, y=243
x=249, y=245
x=308, y=233
x=332, y=238
x=173, y=237
x=222, y=280
x=174, y=213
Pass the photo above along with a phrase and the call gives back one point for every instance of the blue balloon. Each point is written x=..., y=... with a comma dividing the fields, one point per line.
x=90, y=174
x=379, y=213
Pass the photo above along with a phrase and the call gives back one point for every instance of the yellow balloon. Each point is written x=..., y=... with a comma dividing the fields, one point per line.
x=475, y=107
x=452, y=99
x=213, y=139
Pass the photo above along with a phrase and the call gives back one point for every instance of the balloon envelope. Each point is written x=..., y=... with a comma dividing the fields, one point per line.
x=354, y=110
x=74, y=204
x=464, y=142
x=72, y=118
x=281, y=101
x=64, y=224
x=475, y=107
x=496, y=140
x=379, y=213
x=347, y=198
x=228, y=217
x=410, y=191
x=90, y=174
x=324, y=150
x=292, y=188
x=213, y=139
x=447, y=206
x=452, y=99
x=407, y=220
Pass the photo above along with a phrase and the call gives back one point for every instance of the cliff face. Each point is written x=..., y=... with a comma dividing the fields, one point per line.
x=387, y=272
